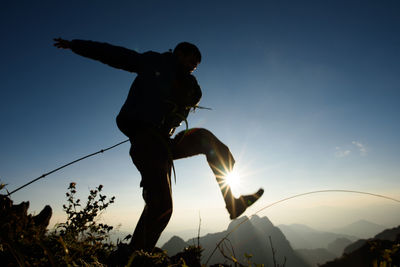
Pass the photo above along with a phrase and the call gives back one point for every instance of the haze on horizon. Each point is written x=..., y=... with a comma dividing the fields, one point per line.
x=304, y=94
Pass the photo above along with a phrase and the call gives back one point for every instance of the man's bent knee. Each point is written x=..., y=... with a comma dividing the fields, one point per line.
x=203, y=138
x=217, y=153
x=212, y=146
x=202, y=141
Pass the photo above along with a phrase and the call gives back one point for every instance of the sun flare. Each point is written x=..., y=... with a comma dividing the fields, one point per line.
x=233, y=179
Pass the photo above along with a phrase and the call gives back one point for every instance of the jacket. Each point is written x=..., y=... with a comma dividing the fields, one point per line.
x=161, y=95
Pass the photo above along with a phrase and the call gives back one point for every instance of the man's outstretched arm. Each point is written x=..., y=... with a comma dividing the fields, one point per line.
x=115, y=56
x=62, y=43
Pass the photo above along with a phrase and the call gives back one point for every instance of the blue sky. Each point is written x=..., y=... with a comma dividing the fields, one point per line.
x=304, y=93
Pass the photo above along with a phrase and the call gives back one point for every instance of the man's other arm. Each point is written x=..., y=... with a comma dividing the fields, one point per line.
x=114, y=56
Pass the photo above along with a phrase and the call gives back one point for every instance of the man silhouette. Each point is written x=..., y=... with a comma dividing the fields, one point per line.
x=159, y=100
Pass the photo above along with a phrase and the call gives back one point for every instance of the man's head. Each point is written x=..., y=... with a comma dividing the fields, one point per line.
x=188, y=56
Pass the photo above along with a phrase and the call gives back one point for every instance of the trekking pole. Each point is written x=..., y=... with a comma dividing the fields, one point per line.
x=70, y=163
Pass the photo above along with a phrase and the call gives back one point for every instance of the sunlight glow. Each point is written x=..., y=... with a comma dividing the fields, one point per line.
x=233, y=180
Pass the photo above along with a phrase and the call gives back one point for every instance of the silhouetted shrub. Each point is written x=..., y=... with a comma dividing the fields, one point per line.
x=79, y=241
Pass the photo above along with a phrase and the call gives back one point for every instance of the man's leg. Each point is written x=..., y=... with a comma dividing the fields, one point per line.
x=155, y=217
x=201, y=141
x=150, y=155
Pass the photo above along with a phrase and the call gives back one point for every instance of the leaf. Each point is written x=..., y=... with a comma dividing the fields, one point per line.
x=248, y=256
x=184, y=263
x=127, y=237
x=64, y=245
x=2, y=186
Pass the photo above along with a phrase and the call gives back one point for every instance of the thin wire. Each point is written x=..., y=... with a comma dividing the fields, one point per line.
x=295, y=196
x=72, y=162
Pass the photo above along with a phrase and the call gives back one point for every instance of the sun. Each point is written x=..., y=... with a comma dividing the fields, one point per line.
x=233, y=180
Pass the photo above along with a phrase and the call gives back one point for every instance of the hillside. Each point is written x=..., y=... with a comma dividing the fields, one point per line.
x=381, y=250
x=315, y=257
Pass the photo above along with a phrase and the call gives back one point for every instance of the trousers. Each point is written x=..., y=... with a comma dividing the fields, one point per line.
x=153, y=153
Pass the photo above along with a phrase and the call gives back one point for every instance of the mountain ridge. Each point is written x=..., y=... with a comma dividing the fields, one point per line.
x=255, y=235
x=302, y=236
x=361, y=229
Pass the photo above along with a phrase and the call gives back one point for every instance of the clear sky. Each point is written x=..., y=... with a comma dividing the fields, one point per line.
x=305, y=94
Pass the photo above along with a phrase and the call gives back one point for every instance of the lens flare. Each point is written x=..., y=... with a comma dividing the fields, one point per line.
x=233, y=180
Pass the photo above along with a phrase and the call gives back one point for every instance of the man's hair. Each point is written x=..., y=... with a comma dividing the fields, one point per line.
x=188, y=48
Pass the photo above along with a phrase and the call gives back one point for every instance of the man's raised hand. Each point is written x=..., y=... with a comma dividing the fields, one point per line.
x=61, y=43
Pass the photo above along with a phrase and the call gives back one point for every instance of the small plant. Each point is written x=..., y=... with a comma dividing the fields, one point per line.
x=3, y=186
x=21, y=233
x=386, y=255
x=81, y=223
x=81, y=236
x=80, y=241
x=249, y=263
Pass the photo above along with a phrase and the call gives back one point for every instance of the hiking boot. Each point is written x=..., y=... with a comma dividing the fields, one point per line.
x=239, y=205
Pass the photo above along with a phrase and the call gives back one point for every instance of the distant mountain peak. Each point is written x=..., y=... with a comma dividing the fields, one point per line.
x=263, y=224
x=361, y=229
x=237, y=221
x=174, y=245
x=252, y=237
x=176, y=238
x=365, y=222
x=298, y=227
x=257, y=219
